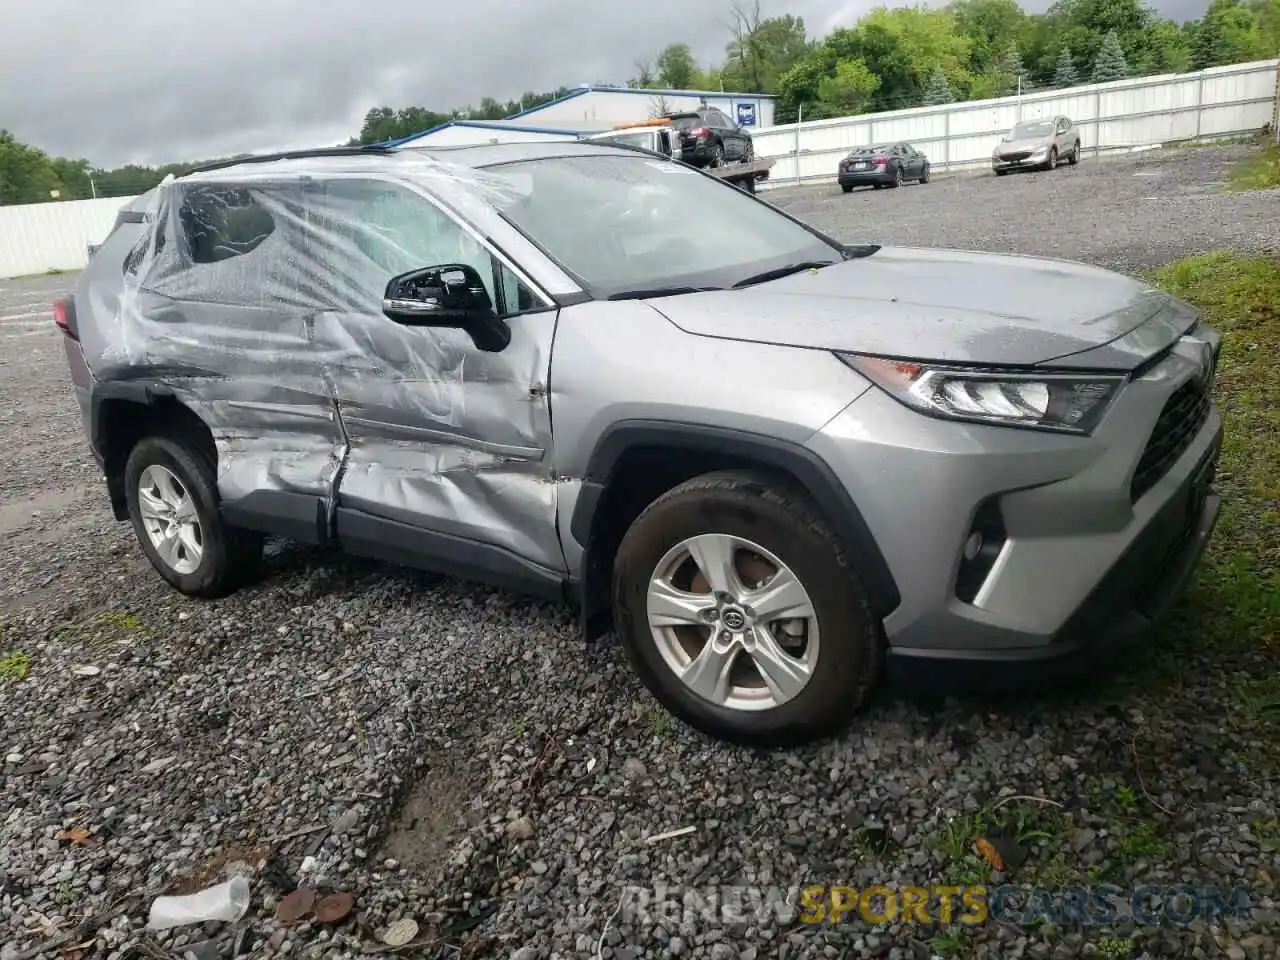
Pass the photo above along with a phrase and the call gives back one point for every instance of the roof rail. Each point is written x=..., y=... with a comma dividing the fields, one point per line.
x=374, y=149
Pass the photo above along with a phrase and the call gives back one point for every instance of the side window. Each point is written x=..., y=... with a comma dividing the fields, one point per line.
x=513, y=296
x=222, y=222
x=722, y=119
x=394, y=230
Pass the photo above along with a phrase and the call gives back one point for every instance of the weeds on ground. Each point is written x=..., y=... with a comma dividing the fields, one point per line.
x=14, y=665
x=951, y=945
x=1258, y=172
x=1234, y=601
x=1112, y=949
x=1140, y=841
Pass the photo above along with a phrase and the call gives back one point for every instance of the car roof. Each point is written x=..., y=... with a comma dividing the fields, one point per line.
x=395, y=161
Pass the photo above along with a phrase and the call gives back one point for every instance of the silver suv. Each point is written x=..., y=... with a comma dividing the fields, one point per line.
x=1039, y=144
x=772, y=461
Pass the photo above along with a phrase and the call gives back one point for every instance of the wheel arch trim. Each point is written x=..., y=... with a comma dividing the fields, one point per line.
x=793, y=459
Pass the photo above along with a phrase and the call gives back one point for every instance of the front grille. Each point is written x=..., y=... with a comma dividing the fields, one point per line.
x=1180, y=420
x=1020, y=155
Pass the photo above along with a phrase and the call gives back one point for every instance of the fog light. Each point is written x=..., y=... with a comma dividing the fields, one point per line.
x=981, y=547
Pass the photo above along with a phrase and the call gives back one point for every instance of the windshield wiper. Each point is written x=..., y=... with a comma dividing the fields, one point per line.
x=777, y=273
x=645, y=294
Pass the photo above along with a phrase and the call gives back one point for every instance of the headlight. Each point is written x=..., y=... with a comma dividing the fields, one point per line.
x=1067, y=402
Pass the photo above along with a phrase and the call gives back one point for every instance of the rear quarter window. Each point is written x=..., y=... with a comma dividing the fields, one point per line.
x=219, y=223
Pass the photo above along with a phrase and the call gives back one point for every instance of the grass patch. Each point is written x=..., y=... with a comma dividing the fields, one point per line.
x=1141, y=841
x=1258, y=172
x=1236, y=597
x=1233, y=603
x=14, y=665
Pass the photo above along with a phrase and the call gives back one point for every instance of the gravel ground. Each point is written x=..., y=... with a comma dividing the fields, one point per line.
x=456, y=756
x=1138, y=210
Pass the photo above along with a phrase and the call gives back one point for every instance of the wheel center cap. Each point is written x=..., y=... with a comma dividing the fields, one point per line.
x=733, y=618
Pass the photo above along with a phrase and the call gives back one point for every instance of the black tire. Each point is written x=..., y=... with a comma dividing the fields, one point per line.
x=924, y=176
x=749, y=153
x=782, y=520
x=847, y=187
x=897, y=178
x=717, y=155
x=1075, y=154
x=1052, y=162
x=1001, y=173
x=230, y=557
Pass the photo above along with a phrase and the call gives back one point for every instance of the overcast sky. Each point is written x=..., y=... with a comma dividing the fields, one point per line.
x=153, y=81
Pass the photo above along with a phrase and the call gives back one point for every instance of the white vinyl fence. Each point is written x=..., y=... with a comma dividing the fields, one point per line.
x=39, y=237
x=1210, y=104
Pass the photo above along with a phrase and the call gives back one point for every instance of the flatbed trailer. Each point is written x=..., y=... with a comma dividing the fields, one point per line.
x=744, y=175
x=656, y=136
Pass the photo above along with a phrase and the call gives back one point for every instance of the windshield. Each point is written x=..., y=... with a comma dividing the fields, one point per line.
x=1032, y=130
x=623, y=223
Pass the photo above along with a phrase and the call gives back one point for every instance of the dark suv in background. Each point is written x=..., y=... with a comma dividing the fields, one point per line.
x=707, y=138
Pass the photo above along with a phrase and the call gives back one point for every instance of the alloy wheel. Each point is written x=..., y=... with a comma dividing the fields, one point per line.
x=733, y=622
x=170, y=519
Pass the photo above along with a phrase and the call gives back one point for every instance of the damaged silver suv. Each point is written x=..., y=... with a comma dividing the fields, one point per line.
x=775, y=463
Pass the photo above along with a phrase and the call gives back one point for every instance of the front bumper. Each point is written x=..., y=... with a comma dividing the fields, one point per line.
x=1025, y=163
x=1081, y=568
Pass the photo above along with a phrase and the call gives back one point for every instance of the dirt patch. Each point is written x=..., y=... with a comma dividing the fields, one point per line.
x=434, y=812
x=16, y=515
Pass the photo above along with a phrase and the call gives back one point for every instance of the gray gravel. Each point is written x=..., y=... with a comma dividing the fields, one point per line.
x=458, y=757
x=1127, y=212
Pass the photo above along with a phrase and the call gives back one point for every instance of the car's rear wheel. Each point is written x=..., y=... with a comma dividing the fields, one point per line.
x=1075, y=154
x=717, y=155
x=847, y=187
x=749, y=153
x=740, y=611
x=1001, y=173
x=897, y=178
x=172, y=496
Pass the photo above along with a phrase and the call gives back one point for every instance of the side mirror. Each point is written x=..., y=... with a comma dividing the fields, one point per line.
x=448, y=295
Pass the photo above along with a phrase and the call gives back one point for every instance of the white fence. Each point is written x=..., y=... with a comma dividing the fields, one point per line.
x=39, y=237
x=1209, y=104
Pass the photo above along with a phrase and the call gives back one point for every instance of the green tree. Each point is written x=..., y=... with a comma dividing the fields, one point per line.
x=761, y=49
x=992, y=27
x=1209, y=47
x=1064, y=72
x=26, y=174
x=676, y=67
x=1110, y=63
x=937, y=91
x=846, y=92
x=74, y=178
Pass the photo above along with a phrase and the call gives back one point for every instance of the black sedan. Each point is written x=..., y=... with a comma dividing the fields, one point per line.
x=885, y=165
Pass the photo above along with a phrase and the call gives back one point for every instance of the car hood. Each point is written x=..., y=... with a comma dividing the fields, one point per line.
x=948, y=307
x=1017, y=146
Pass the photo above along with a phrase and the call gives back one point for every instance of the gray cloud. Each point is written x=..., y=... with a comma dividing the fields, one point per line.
x=153, y=81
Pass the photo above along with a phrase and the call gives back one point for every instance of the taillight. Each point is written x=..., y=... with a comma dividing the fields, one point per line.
x=879, y=161
x=702, y=133
x=64, y=315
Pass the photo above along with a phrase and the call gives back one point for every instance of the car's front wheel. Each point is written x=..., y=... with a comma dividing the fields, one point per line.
x=924, y=175
x=740, y=611
x=173, y=505
x=1052, y=162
